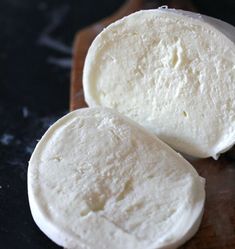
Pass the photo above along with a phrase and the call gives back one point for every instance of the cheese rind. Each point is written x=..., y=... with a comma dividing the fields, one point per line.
x=98, y=180
x=172, y=72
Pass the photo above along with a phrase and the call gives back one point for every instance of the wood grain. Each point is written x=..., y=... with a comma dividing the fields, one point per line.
x=217, y=230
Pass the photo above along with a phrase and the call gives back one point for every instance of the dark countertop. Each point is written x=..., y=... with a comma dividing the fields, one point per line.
x=35, y=56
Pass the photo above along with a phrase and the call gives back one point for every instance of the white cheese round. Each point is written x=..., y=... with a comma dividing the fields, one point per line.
x=98, y=180
x=172, y=72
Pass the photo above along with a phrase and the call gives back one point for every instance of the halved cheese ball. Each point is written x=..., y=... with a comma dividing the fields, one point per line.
x=98, y=180
x=173, y=73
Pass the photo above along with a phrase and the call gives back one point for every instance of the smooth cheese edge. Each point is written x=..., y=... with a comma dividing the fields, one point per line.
x=67, y=238
x=214, y=147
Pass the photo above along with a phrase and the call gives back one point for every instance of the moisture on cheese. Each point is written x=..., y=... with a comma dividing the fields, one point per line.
x=171, y=71
x=98, y=180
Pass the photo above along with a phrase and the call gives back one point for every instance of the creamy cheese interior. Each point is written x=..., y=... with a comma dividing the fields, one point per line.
x=172, y=73
x=98, y=180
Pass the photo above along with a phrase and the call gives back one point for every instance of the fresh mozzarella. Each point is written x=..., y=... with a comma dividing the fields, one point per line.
x=98, y=180
x=171, y=71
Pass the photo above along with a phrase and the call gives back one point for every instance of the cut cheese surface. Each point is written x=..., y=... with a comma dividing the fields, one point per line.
x=98, y=180
x=170, y=71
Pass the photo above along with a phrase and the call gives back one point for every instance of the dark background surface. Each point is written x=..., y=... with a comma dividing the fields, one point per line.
x=35, y=57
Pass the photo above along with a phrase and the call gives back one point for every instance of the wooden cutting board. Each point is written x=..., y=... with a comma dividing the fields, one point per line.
x=217, y=230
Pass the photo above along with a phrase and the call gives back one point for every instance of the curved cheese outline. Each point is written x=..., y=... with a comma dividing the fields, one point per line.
x=98, y=180
x=171, y=71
